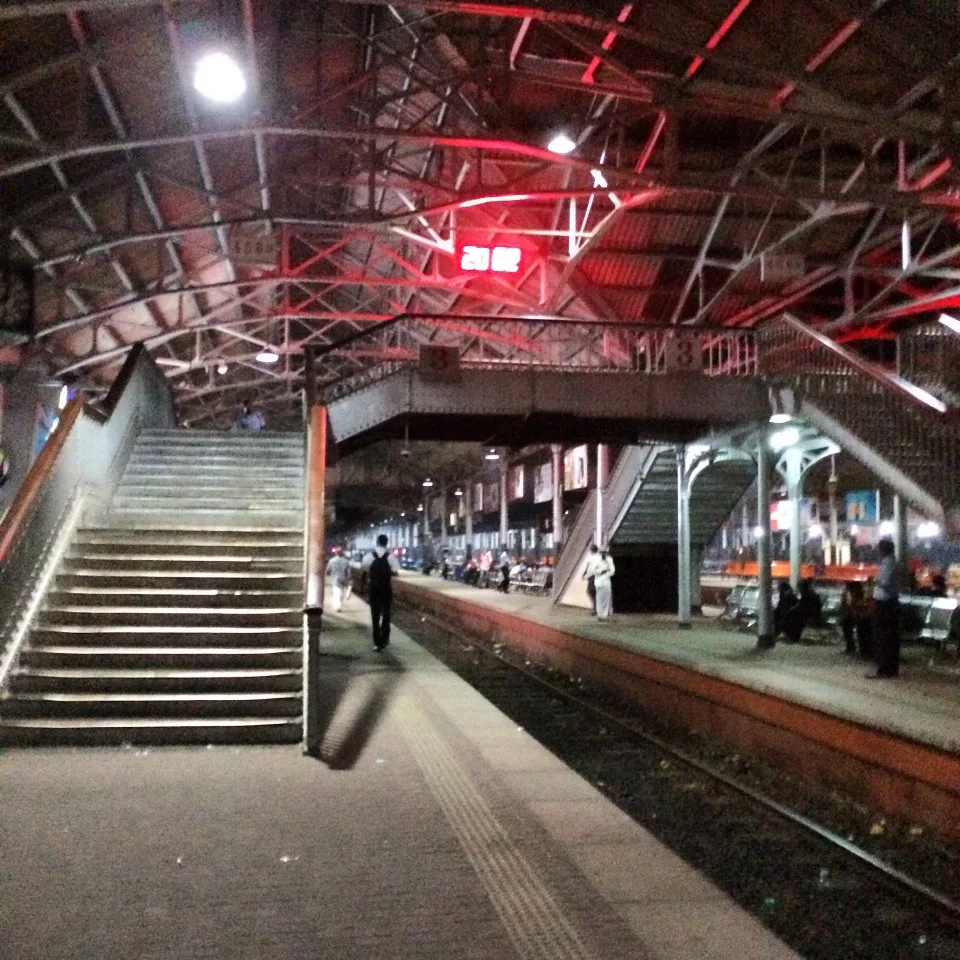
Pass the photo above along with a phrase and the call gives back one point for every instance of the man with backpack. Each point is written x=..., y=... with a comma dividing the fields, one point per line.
x=381, y=567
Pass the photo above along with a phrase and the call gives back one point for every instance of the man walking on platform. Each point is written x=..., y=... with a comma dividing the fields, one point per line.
x=381, y=567
x=886, y=607
x=338, y=570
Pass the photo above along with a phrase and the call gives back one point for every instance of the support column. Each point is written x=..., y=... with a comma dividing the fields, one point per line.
x=795, y=493
x=765, y=636
x=683, y=541
x=556, y=453
x=468, y=518
x=504, y=516
x=900, y=541
x=603, y=470
x=314, y=520
x=444, y=541
x=834, y=512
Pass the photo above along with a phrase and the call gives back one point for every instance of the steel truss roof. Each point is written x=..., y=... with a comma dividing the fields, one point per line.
x=733, y=159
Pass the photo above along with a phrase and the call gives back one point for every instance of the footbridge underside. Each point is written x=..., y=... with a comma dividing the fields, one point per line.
x=517, y=407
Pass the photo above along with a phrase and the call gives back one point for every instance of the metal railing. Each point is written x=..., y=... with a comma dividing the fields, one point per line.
x=929, y=356
x=909, y=427
x=492, y=343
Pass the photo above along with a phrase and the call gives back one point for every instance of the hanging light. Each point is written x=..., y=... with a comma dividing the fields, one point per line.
x=784, y=438
x=63, y=397
x=561, y=144
x=218, y=77
x=268, y=355
x=492, y=455
x=420, y=508
x=458, y=492
x=222, y=368
x=428, y=482
x=780, y=418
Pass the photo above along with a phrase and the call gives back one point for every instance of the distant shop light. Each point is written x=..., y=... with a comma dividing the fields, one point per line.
x=561, y=144
x=268, y=356
x=218, y=77
x=63, y=397
x=928, y=530
x=815, y=532
x=887, y=528
x=781, y=418
x=758, y=531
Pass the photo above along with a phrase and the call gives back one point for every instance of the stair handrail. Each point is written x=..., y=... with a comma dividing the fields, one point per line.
x=581, y=533
x=915, y=397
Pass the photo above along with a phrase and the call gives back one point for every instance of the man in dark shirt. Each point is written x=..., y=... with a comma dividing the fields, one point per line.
x=886, y=606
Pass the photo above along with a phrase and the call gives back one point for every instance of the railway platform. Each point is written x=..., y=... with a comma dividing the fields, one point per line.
x=430, y=827
x=894, y=744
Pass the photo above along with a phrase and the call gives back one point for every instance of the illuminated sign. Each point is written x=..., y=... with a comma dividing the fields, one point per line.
x=481, y=259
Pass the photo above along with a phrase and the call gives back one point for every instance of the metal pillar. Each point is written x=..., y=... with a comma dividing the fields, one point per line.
x=900, y=542
x=504, y=516
x=443, y=517
x=468, y=518
x=834, y=512
x=426, y=520
x=795, y=493
x=683, y=541
x=603, y=470
x=556, y=453
x=765, y=636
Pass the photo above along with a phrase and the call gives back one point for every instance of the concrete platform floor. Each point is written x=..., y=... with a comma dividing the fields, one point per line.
x=922, y=704
x=432, y=828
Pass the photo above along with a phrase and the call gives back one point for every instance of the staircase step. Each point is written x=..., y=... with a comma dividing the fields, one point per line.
x=72, y=657
x=192, y=536
x=101, y=732
x=193, y=599
x=173, y=565
x=215, y=579
x=157, y=680
x=143, y=705
x=213, y=637
x=137, y=517
x=195, y=619
x=191, y=500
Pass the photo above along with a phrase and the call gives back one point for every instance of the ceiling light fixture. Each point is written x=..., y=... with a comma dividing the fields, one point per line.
x=784, y=438
x=428, y=482
x=492, y=455
x=222, y=368
x=218, y=77
x=268, y=355
x=951, y=323
x=780, y=418
x=63, y=397
x=458, y=492
x=561, y=144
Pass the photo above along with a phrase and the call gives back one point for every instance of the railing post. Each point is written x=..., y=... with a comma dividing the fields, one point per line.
x=314, y=522
x=683, y=541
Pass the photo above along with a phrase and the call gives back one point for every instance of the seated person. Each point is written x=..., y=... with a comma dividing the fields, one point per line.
x=786, y=601
x=855, y=619
x=807, y=609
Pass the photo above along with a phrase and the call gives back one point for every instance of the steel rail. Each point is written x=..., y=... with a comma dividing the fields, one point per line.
x=886, y=870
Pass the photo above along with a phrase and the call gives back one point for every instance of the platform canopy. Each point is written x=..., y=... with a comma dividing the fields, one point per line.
x=702, y=163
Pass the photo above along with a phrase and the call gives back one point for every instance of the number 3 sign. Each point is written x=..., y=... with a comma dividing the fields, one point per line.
x=683, y=355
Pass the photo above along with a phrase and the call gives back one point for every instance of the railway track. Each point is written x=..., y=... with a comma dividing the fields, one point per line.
x=821, y=892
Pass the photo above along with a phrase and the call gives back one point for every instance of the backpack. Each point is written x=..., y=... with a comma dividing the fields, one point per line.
x=381, y=575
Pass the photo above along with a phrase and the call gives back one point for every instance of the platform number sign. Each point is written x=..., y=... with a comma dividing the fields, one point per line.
x=482, y=259
x=683, y=355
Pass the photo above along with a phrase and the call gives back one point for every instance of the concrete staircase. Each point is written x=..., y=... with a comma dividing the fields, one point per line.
x=179, y=620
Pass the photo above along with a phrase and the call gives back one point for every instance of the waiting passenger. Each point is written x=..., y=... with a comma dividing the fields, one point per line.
x=886, y=609
x=786, y=601
x=855, y=620
x=807, y=609
x=588, y=575
x=250, y=419
x=504, y=564
x=603, y=572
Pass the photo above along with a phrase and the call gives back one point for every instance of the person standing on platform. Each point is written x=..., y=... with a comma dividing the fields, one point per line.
x=504, y=564
x=338, y=571
x=886, y=607
x=603, y=571
x=588, y=575
x=381, y=567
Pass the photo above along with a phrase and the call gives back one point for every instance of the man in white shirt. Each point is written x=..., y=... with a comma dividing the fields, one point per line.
x=603, y=571
x=589, y=569
x=886, y=614
x=338, y=572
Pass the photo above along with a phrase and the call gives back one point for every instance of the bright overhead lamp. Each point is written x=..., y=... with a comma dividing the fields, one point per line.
x=928, y=530
x=951, y=323
x=428, y=482
x=780, y=418
x=420, y=508
x=785, y=438
x=218, y=77
x=815, y=532
x=222, y=368
x=268, y=356
x=63, y=397
x=599, y=180
x=887, y=528
x=758, y=531
x=561, y=144
x=492, y=455
x=458, y=492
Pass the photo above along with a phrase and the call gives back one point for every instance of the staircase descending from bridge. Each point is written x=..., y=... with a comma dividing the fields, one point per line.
x=179, y=620
x=640, y=508
x=908, y=437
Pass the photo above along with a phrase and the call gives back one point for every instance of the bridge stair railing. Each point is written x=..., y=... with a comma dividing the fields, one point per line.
x=907, y=436
x=620, y=491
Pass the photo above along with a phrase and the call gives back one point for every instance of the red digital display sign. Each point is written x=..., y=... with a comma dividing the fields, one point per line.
x=485, y=259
